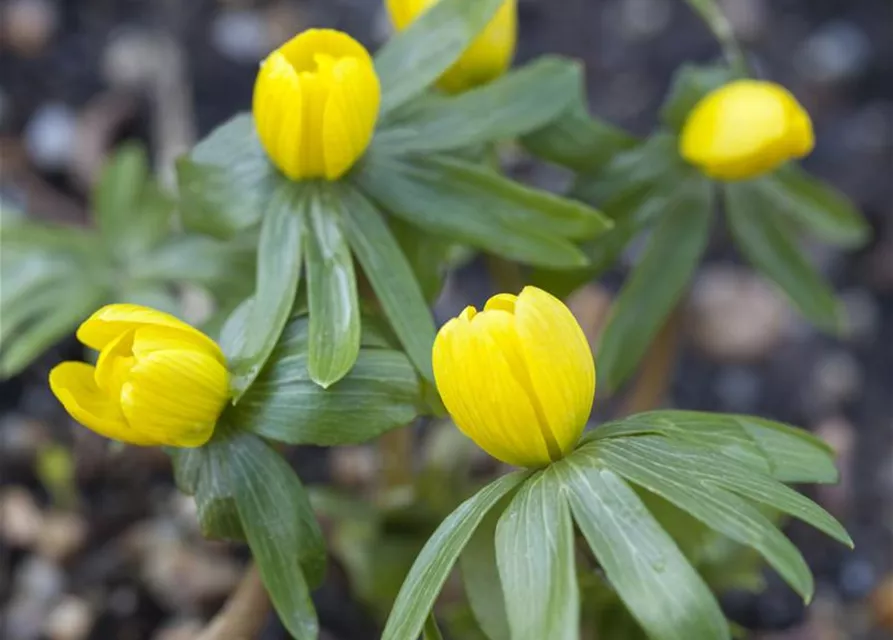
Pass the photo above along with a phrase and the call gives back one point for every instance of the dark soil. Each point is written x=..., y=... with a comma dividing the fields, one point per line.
x=836, y=55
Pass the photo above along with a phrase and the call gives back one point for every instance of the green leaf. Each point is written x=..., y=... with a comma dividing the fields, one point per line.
x=768, y=244
x=131, y=212
x=199, y=260
x=657, y=282
x=815, y=206
x=204, y=473
x=391, y=278
x=577, y=140
x=72, y=304
x=473, y=205
x=380, y=393
x=690, y=84
x=278, y=274
x=786, y=453
x=535, y=554
x=480, y=576
x=516, y=103
x=622, y=183
x=427, y=255
x=655, y=581
x=282, y=531
x=705, y=465
x=641, y=461
x=794, y=454
x=331, y=292
x=436, y=560
x=413, y=59
x=226, y=180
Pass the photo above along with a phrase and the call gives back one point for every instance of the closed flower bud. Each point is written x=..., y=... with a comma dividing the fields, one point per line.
x=316, y=101
x=489, y=54
x=745, y=129
x=157, y=381
x=518, y=377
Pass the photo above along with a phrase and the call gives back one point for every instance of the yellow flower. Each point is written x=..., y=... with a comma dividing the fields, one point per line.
x=518, y=378
x=158, y=381
x=745, y=129
x=488, y=55
x=316, y=101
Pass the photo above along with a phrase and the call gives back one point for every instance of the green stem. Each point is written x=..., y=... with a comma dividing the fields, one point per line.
x=430, y=630
x=719, y=24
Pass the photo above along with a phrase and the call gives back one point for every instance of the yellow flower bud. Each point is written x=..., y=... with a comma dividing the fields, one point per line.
x=316, y=101
x=518, y=378
x=745, y=129
x=487, y=57
x=158, y=381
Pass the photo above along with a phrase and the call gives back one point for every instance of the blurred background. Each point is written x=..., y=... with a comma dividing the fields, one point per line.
x=99, y=544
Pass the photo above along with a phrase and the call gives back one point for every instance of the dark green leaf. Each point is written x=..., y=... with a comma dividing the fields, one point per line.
x=226, y=180
x=815, y=206
x=704, y=465
x=380, y=393
x=516, y=103
x=331, y=292
x=480, y=576
x=641, y=461
x=199, y=260
x=794, y=454
x=278, y=274
x=427, y=255
x=577, y=140
x=436, y=560
x=203, y=472
x=768, y=244
x=282, y=531
x=71, y=306
x=474, y=205
x=391, y=278
x=535, y=554
x=622, y=183
x=130, y=211
x=413, y=59
x=657, y=584
x=690, y=84
x=656, y=283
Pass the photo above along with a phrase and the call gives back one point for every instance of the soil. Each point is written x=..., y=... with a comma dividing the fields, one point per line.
x=133, y=567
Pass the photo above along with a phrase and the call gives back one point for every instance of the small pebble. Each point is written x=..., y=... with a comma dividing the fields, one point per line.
x=353, y=466
x=837, y=378
x=241, y=36
x=61, y=535
x=49, y=136
x=836, y=52
x=857, y=578
x=20, y=518
x=28, y=25
x=882, y=603
x=71, y=619
x=863, y=317
x=643, y=19
x=736, y=316
x=738, y=388
x=186, y=629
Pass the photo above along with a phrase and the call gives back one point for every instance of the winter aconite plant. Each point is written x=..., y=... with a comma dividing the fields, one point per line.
x=321, y=224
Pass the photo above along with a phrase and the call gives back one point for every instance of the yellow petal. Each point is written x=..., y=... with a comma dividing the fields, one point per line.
x=489, y=55
x=115, y=319
x=73, y=383
x=350, y=114
x=404, y=12
x=114, y=363
x=175, y=397
x=278, y=112
x=744, y=129
x=559, y=361
x=316, y=103
x=475, y=367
